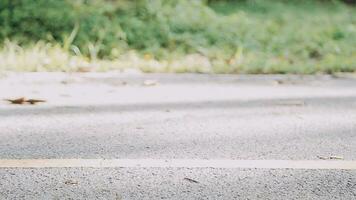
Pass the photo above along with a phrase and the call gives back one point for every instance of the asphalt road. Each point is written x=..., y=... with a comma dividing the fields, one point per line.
x=199, y=117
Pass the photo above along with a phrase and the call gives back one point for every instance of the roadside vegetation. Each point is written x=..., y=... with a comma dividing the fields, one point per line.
x=242, y=36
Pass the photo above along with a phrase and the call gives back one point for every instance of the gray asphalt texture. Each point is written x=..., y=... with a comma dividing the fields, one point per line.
x=172, y=184
x=114, y=115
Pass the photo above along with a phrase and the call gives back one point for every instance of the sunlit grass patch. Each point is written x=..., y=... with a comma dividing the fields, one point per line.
x=48, y=57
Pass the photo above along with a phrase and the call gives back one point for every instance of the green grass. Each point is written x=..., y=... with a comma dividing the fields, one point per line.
x=250, y=36
x=294, y=38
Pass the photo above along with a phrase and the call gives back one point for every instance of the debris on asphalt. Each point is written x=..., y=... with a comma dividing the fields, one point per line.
x=323, y=157
x=277, y=82
x=34, y=101
x=336, y=157
x=23, y=100
x=284, y=82
x=71, y=182
x=331, y=157
x=20, y=100
x=150, y=82
x=84, y=69
x=190, y=180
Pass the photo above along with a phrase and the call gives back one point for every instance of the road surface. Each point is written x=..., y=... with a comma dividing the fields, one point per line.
x=135, y=136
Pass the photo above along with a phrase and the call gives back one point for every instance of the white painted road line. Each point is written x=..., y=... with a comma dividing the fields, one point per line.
x=177, y=163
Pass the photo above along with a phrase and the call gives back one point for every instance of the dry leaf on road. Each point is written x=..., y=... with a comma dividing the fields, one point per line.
x=21, y=100
x=34, y=101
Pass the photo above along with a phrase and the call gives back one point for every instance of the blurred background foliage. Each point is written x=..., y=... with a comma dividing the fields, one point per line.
x=233, y=36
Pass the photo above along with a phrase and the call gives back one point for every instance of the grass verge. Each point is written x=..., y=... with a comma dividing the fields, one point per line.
x=252, y=36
